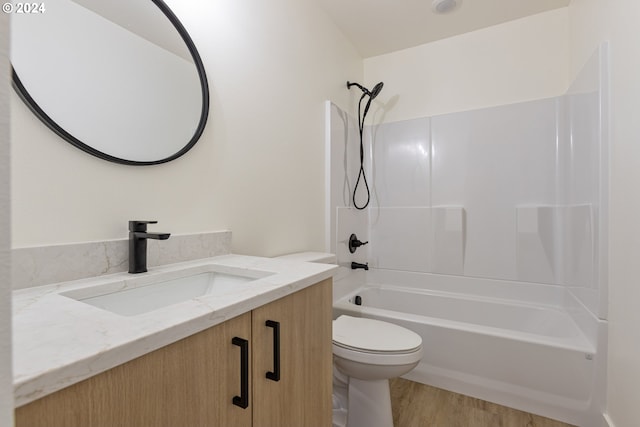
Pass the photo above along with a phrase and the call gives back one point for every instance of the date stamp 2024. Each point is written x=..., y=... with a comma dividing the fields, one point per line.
x=24, y=8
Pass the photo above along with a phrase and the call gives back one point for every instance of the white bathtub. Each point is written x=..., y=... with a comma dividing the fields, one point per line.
x=522, y=345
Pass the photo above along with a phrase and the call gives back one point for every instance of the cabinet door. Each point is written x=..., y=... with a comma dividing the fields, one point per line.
x=189, y=383
x=302, y=396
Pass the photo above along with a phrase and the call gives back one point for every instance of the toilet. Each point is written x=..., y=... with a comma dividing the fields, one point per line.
x=368, y=353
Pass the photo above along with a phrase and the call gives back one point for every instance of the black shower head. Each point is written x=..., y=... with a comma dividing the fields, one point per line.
x=376, y=90
x=361, y=120
x=372, y=93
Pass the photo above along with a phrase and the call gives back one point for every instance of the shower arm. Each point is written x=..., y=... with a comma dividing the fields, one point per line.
x=362, y=88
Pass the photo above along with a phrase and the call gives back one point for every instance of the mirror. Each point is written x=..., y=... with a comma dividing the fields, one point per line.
x=119, y=79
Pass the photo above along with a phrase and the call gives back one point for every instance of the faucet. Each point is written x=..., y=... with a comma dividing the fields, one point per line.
x=138, y=236
x=355, y=265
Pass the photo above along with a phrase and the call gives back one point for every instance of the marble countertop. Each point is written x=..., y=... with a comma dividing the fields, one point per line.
x=59, y=341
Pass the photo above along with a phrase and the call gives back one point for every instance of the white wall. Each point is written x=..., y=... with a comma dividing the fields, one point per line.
x=6, y=379
x=592, y=21
x=258, y=169
x=517, y=61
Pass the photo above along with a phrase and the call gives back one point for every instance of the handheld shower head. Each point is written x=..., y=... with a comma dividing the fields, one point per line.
x=372, y=93
x=361, y=118
x=376, y=90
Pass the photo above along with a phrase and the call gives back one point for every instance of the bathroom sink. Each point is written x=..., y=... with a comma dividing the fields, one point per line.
x=131, y=298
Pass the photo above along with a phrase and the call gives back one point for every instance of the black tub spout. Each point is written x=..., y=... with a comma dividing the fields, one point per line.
x=355, y=265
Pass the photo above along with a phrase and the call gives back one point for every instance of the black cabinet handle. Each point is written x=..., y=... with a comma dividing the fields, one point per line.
x=243, y=400
x=275, y=375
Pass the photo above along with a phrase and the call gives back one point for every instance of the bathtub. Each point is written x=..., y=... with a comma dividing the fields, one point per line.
x=526, y=346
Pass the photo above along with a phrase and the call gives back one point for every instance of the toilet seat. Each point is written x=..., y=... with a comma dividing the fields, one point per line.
x=375, y=342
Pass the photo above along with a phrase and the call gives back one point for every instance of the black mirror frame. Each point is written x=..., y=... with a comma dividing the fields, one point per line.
x=57, y=129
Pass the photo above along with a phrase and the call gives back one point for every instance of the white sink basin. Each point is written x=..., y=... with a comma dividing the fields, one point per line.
x=134, y=297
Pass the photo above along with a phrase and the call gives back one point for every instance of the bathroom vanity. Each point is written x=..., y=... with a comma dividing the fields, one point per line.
x=259, y=355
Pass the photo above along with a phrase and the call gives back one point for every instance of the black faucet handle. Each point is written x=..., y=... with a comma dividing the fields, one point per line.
x=140, y=225
x=354, y=243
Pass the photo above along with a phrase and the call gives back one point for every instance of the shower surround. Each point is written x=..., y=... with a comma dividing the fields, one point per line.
x=514, y=194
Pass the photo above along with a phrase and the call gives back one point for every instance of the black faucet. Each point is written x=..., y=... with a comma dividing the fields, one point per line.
x=138, y=244
x=355, y=265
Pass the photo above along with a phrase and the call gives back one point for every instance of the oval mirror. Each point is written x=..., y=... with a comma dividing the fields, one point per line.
x=119, y=79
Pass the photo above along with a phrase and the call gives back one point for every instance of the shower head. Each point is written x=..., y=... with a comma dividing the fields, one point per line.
x=376, y=90
x=372, y=93
x=361, y=120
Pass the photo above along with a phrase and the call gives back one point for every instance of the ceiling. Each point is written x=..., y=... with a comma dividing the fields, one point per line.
x=377, y=27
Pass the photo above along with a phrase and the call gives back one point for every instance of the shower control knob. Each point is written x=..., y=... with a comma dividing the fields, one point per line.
x=354, y=243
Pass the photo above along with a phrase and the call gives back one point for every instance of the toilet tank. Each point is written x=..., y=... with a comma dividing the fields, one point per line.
x=345, y=280
x=319, y=257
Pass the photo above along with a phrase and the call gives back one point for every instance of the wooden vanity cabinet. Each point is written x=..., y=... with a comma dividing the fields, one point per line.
x=182, y=384
x=302, y=396
x=192, y=382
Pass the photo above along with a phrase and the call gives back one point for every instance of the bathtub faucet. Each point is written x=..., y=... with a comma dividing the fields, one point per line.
x=355, y=265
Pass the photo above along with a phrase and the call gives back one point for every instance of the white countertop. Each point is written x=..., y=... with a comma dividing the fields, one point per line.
x=59, y=341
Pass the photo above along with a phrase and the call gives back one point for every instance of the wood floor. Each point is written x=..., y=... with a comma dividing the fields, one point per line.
x=419, y=405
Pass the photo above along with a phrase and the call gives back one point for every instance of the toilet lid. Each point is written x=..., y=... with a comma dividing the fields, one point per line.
x=373, y=335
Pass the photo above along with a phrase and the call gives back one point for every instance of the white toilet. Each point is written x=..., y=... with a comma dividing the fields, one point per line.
x=366, y=354
x=369, y=352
